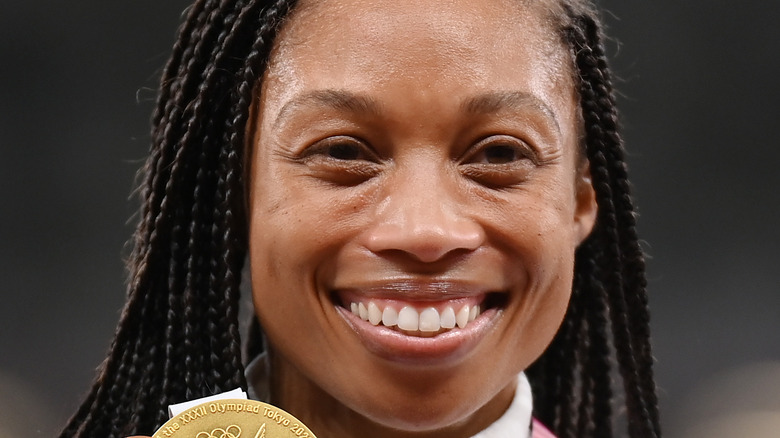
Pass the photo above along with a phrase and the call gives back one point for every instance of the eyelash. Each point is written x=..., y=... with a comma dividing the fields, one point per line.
x=335, y=148
x=341, y=160
x=506, y=173
x=494, y=161
x=505, y=144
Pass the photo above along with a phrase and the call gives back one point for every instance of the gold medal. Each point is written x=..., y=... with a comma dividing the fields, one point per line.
x=233, y=418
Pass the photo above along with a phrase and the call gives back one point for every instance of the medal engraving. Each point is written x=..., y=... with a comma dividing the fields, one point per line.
x=234, y=418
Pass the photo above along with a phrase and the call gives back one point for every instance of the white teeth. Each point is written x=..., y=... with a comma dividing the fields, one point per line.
x=389, y=317
x=408, y=319
x=473, y=313
x=448, y=318
x=374, y=314
x=429, y=320
x=462, y=318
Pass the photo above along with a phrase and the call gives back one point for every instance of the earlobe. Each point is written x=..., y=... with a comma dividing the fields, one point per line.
x=587, y=207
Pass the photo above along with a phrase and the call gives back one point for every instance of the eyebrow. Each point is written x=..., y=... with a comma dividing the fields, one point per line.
x=496, y=101
x=486, y=103
x=334, y=99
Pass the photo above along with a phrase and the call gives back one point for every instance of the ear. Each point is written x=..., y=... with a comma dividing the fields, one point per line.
x=586, y=208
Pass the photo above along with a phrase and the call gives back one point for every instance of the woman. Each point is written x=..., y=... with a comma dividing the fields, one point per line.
x=435, y=209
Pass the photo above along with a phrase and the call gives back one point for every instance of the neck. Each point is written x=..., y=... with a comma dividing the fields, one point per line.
x=327, y=417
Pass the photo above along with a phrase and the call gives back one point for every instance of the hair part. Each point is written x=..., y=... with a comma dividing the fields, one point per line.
x=178, y=335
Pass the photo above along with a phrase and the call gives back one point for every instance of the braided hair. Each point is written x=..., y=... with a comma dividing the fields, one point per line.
x=178, y=335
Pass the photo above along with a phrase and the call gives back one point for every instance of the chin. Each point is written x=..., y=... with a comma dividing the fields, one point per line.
x=439, y=408
x=427, y=417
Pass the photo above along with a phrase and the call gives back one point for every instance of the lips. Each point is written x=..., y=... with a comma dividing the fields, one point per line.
x=423, y=324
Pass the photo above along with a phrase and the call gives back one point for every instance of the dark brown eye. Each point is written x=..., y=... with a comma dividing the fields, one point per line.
x=500, y=150
x=341, y=160
x=499, y=161
x=343, y=151
x=498, y=154
x=341, y=148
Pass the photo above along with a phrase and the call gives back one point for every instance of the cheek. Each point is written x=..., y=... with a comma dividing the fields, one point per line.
x=540, y=311
x=294, y=232
x=276, y=250
x=537, y=231
x=299, y=231
x=542, y=262
x=549, y=296
x=283, y=245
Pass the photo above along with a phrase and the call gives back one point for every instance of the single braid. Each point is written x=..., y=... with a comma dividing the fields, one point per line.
x=567, y=398
x=200, y=231
x=136, y=407
x=253, y=346
x=601, y=355
x=584, y=409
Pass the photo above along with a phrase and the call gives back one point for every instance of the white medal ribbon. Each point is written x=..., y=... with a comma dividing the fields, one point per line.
x=174, y=410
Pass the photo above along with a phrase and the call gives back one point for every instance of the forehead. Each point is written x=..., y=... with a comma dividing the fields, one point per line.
x=458, y=20
x=375, y=45
x=453, y=34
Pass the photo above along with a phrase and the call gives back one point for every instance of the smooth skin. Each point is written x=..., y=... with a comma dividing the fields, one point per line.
x=416, y=143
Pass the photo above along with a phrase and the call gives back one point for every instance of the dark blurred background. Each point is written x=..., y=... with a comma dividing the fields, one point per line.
x=700, y=90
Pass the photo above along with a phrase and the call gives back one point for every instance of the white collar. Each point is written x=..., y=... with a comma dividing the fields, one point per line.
x=514, y=423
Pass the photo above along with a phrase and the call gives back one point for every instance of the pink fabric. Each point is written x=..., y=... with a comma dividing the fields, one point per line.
x=540, y=431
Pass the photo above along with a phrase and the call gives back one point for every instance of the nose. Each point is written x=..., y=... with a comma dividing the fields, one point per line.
x=421, y=217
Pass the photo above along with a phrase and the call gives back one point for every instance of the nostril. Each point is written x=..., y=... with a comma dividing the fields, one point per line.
x=425, y=252
x=426, y=242
x=432, y=249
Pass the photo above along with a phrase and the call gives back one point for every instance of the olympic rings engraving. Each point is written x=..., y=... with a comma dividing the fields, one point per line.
x=228, y=432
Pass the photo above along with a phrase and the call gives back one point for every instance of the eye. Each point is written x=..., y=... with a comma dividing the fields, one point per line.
x=341, y=160
x=497, y=154
x=499, y=161
x=340, y=148
x=500, y=150
x=341, y=151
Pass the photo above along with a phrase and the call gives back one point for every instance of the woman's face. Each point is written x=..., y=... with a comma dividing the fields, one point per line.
x=414, y=164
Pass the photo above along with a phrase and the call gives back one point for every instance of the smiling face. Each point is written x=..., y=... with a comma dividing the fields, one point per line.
x=416, y=198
